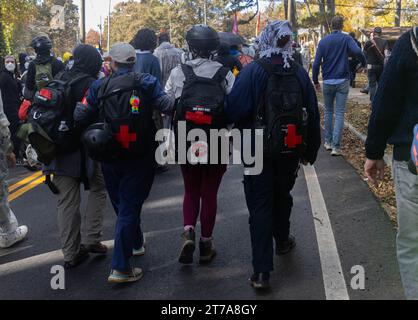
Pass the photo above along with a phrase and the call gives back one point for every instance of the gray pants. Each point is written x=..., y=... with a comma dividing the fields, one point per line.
x=8, y=222
x=69, y=216
x=406, y=185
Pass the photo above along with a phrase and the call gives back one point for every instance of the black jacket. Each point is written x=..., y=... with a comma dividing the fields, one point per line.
x=372, y=52
x=11, y=94
x=395, y=106
x=230, y=62
x=87, y=61
x=57, y=67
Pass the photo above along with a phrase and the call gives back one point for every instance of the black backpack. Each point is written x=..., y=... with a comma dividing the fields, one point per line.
x=281, y=113
x=50, y=120
x=130, y=119
x=201, y=104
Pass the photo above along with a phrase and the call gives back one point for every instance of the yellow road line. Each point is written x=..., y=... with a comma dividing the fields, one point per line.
x=25, y=189
x=24, y=181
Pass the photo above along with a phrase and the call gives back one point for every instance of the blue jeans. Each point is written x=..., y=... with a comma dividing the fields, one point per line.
x=339, y=93
x=128, y=184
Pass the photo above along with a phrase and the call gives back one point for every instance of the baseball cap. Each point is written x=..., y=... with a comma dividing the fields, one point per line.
x=123, y=53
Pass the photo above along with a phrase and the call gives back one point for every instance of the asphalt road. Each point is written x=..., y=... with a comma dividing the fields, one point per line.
x=360, y=233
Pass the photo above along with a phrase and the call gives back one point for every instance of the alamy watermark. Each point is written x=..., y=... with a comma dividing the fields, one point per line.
x=223, y=146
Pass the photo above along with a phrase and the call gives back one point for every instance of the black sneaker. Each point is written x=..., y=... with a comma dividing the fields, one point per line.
x=207, y=252
x=82, y=256
x=97, y=248
x=187, y=249
x=260, y=281
x=283, y=247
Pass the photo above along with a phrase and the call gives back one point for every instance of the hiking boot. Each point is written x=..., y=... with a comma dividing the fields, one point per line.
x=7, y=240
x=97, y=248
x=283, y=247
x=328, y=146
x=125, y=277
x=81, y=256
x=260, y=281
x=187, y=249
x=336, y=152
x=207, y=251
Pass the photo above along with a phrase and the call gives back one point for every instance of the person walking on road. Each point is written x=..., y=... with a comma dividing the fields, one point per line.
x=12, y=97
x=295, y=139
x=145, y=42
x=169, y=57
x=333, y=52
x=376, y=51
x=207, y=81
x=43, y=69
x=354, y=62
x=123, y=139
x=394, y=115
x=72, y=170
x=10, y=231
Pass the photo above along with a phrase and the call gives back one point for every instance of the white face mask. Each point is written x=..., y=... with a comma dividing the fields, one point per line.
x=26, y=65
x=10, y=67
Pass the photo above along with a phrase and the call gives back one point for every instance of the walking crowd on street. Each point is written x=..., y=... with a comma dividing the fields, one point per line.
x=89, y=121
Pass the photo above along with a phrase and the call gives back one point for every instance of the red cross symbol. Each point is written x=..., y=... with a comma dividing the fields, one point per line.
x=124, y=137
x=292, y=140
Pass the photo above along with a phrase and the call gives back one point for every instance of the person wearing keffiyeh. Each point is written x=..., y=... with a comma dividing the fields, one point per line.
x=268, y=194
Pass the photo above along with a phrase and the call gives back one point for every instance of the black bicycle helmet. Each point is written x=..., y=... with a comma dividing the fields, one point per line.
x=203, y=40
x=41, y=43
x=99, y=142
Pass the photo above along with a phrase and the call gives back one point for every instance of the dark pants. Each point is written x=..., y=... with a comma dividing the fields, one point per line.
x=374, y=75
x=353, y=71
x=201, y=185
x=270, y=203
x=128, y=184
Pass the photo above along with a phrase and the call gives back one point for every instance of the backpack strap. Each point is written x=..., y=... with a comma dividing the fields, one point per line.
x=266, y=65
x=188, y=72
x=105, y=84
x=221, y=74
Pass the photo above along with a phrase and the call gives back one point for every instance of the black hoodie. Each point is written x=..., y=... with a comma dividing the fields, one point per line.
x=57, y=67
x=87, y=61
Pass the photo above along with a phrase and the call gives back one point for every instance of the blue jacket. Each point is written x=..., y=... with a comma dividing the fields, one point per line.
x=148, y=63
x=333, y=52
x=247, y=92
x=149, y=87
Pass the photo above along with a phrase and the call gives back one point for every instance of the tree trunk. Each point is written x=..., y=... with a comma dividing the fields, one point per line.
x=286, y=9
x=291, y=7
x=331, y=7
x=398, y=13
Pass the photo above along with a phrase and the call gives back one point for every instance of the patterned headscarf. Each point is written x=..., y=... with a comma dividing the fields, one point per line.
x=274, y=31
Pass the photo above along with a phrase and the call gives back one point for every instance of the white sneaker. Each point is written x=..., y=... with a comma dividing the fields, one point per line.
x=328, y=146
x=7, y=240
x=335, y=152
x=139, y=252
